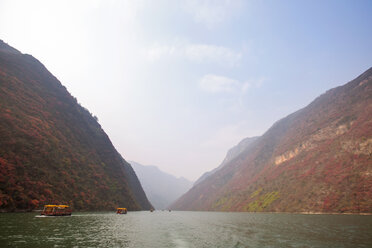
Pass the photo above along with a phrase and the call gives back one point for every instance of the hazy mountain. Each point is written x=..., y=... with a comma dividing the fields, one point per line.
x=317, y=159
x=161, y=188
x=52, y=150
x=231, y=154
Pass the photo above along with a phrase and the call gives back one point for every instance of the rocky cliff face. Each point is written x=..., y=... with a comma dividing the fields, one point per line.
x=317, y=159
x=52, y=150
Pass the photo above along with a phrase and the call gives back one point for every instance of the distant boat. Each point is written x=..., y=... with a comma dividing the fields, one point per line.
x=56, y=210
x=121, y=211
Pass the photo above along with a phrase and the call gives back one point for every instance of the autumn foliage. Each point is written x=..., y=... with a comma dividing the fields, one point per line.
x=52, y=150
x=318, y=159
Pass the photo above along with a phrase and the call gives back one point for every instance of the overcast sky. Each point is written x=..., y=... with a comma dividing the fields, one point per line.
x=177, y=83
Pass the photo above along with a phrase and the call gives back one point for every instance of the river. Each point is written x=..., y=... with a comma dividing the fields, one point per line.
x=185, y=229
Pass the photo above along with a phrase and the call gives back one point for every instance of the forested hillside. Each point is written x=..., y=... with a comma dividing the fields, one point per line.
x=318, y=159
x=53, y=150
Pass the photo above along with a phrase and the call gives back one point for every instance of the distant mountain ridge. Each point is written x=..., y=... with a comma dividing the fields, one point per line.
x=161, y=188
x=231, y=154
x=318, y=159
x=52, y=150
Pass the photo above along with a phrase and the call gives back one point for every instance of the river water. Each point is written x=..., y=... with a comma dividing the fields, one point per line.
x=185, y=229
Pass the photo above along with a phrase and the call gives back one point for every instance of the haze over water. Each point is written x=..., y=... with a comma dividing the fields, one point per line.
x=185, y=229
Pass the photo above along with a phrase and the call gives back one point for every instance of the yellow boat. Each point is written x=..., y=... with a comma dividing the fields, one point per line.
x=121, y=211
x=56, y=210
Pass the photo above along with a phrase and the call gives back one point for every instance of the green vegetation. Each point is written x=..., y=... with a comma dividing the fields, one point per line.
x=329, y=173
x=262, y=202
x=256, y=193
x=223, y=204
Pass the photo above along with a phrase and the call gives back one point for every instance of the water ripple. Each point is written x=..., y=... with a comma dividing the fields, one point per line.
x=185, y=229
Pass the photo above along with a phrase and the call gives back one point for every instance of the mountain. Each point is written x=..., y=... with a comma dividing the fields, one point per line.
x=317, y=159
x=231, y=154
x=52, y=150
x=161, y=188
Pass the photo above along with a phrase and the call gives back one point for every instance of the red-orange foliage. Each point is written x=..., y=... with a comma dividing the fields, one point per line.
x=329, y=169
x=51, y=147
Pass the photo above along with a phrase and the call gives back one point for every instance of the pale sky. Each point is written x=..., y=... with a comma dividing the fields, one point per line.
x=177, y=83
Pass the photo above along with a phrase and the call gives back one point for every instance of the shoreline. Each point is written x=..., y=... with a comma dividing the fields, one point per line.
x=304, y=213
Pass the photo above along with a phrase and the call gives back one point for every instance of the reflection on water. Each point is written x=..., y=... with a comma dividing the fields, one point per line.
x=185, y=229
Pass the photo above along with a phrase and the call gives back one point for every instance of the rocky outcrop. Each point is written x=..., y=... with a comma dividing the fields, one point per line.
x=318, y=159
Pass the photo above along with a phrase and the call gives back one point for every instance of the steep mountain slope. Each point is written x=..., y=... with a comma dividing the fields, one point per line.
x=317, y=159
x=161, y=188
x=52, y=150
x=231, y=154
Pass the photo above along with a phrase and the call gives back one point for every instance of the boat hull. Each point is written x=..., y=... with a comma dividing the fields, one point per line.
x=56, y=214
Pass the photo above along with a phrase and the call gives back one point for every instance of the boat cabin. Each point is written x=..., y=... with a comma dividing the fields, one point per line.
x=121, y=211
x=56, y=210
